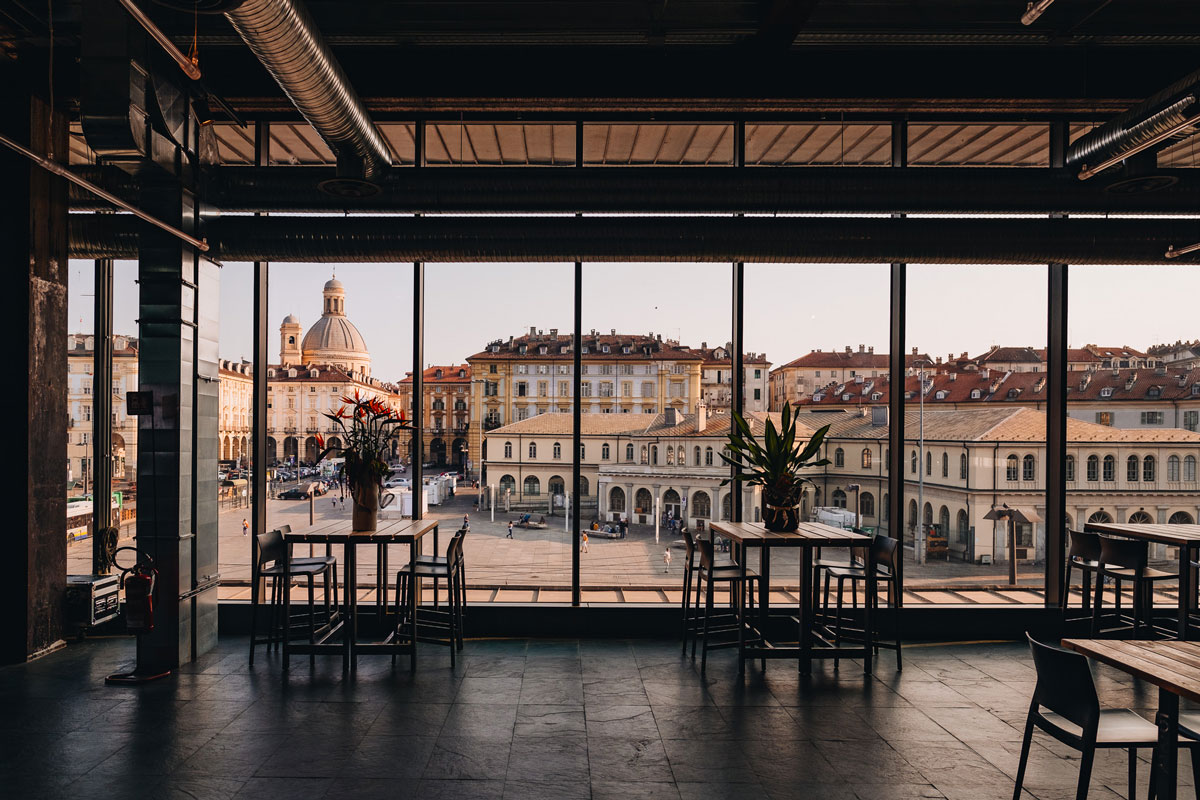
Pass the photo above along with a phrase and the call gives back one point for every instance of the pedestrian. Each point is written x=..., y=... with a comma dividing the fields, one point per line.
x=583, y=544
x=334, y=501
x=509, y=530
x=466, y=522
x=667, y=559
x=245, y=527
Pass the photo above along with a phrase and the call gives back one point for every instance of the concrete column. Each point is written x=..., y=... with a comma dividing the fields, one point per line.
x=33, y=250
x=1121, y=513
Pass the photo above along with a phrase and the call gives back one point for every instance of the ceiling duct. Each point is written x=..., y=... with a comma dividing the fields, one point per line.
x=823, y=240
x=286, y=40
x=1168, y=115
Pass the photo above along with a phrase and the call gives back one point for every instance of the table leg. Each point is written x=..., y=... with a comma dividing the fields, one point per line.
x=741, y=613
x=347, y=604
x=872, y=590
x=1186, y=589
x=806, y=611
x=287, y=605
x=764, y=591
x=414, y=597
x=1167, y=750
x=352, y=634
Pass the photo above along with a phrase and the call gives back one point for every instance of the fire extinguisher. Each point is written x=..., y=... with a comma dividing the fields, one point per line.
x=139, y=581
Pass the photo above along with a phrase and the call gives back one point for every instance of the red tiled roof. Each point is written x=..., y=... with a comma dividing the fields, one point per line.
x=449, y=374
x=833, y=359
x=1018, y=355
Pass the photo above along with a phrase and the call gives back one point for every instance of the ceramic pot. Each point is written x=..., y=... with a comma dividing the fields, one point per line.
x=780, y=518
x=366, y=506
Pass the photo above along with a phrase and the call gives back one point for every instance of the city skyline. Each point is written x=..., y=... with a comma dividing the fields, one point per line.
x=951, y=309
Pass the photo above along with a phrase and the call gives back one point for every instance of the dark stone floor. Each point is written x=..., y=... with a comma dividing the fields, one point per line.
x=540, y=719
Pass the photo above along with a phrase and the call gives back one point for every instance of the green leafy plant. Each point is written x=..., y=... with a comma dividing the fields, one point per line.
x=774, y=463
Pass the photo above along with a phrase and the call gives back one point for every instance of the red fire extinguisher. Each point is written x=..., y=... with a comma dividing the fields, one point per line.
x=138, y=582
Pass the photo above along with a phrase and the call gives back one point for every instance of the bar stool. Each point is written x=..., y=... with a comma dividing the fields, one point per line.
x=435, y=621
x=886, y=552
x=1126, y=560
x=690, y=610
x=434, y=558
x=710, y=573
x=1073, y=716
x=821, y=565
x=270, y=550
x=1084, y=554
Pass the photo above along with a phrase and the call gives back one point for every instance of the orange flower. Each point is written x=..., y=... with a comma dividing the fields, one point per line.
x=320, y=441
x=341, y=413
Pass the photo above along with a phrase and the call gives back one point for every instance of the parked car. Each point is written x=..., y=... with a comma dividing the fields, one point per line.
x=304, y=490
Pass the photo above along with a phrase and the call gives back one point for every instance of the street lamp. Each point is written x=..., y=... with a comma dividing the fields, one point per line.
x=857, y=519
x=919, y=542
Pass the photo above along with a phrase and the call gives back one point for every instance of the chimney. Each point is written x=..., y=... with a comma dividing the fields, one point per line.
x=879, y=416
x=862, y=348
x=871, y=349
x=704, y=345
x=701, y=417
x=613, y=332
x=554, y=332
x=847, y=348
x=914, y=351
x=533, y=330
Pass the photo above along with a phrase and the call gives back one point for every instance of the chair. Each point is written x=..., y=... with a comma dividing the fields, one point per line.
x=267, y=562
x=1073, y=716
x=1084, y=554
x=821, y=564
x=711, y=573
x=435, y=621
x=1126, y=560
x=886, y=552
x=434, y=558
x=691, y=612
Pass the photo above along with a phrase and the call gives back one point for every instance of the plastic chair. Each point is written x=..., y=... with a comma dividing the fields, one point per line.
x=1126, y=560
x=886, y=552
x=267, y=563
x=1073, y=716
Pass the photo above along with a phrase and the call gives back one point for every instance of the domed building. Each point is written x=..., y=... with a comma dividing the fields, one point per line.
x=332, y=340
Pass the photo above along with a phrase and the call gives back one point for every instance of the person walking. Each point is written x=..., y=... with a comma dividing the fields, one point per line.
x=466, y=522
x=583, y=545
x=245, y=527
x=667, y=560
x=509, y=530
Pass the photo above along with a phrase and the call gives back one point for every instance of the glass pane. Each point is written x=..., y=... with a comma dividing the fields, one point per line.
x=975, y=434
x=520, y=379
x=656, y=393
x=234, y=421
x=1134, y=405
x=81, y=389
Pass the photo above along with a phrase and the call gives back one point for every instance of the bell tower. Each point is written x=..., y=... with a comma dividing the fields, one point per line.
x=289, y=340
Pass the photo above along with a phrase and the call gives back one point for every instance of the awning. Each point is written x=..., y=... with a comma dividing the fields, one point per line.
x=1014, y=513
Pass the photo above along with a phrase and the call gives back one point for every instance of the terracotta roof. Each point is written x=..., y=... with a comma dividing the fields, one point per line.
x=1017, y=355
x=79, y=345
x=558, y=346
x=833, y=359
x=449, y=374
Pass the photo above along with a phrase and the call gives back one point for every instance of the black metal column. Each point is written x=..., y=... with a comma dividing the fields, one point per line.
x=576, y=430
x=102, y=410
x=896, y=373
x=418, y=390
x=737, y=338
x=1056, y=403
x=259, y=362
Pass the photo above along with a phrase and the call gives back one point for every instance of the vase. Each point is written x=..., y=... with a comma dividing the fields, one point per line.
x=780, y=516
x=365, y=515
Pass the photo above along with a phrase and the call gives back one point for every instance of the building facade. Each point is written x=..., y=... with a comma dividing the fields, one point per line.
x=81, y=421
x=446, y=414
x=235, y=397
x=716, y=380
x=801, y=377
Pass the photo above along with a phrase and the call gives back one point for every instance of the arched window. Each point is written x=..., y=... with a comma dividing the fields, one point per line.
x=583, y=486
x=1093, y=468
x=727, y=507
x=963, y=527
x=701, y=505
x=679, y=457
x=887, y=507
x=642, y=500
x=945, y=465
x=944, y=521
x=1101, y=517
x=1140, y=518
x=708, y=456
x=1069, y=469
x=839, y=498
x=866, y=504
x=582, y=451
x=866, y=458
x=533, y=449
x=1149, y=467
x=1011, y=468
x=616, y=500
x=556, y=485
x=557, y=450
x=645, y=454
x=654, y=454
x=962, y=467
x=1180, y=518
x=1131, y=469
x=604, y=451
x=912, y=514
x=696, y=456
x=629, y=453
x=912, y=463
x=928, y=514
x=1110, y=468
x=507, y=484
x=532, y=485
x=839, y=457
x=1028, y=468
x=928, y=463
x=670, y=455
x=1173, y=468
x=1189, y=468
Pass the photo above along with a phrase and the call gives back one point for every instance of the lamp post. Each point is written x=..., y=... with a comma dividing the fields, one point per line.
x=857, y=518
x=919, y=542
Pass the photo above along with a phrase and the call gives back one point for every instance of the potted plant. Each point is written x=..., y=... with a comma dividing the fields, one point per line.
x=367, y=427
x=775, y=464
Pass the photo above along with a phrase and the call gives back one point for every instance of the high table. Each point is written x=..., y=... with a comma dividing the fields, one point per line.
x=1185, y=537
x=808, y=536
x=1174, y=667
x=408, y=532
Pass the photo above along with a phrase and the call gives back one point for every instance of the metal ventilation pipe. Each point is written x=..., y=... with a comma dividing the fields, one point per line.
x=1151, y=124
x=285, y=39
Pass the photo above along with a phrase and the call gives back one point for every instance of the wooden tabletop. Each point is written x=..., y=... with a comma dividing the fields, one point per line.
x=400, y=531
x=808, y=534
x=1170, y=665
x=1177, y=535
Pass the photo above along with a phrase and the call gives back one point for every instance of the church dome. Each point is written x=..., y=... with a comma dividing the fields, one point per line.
x=333, y=283
x=291, y=319
x=335, y=335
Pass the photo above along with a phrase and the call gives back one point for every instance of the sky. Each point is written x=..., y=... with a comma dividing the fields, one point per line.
x=790, y=309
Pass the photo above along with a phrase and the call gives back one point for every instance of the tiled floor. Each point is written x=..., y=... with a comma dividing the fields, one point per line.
x=540, y=719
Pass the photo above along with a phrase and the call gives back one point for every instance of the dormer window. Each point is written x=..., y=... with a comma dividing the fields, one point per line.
x=877, y=396
x=626, y=349
x=604, y=348
x=585, y=350
x=495, y=348
x=270, y=373
x=976, y=394
x=1154, y=391
x=522, y=349
x=940, y=394
x=1196, y=390
x=1012, y=394
x=542, y=350
x=846, y=398
x=437, y=374
x=462, y=373
x=1106, y=391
